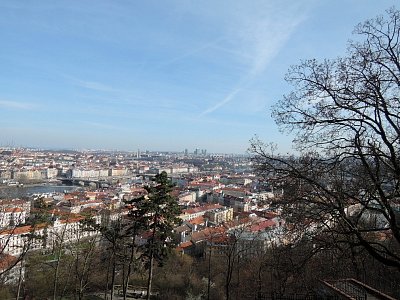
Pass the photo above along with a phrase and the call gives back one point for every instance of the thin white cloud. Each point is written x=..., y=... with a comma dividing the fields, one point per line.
x=92, y=85
x=191, y=52
x=227, y=99
x=16, y=105
x=257, y=33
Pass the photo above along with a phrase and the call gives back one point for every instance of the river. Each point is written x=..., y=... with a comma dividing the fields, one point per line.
x=19, y=192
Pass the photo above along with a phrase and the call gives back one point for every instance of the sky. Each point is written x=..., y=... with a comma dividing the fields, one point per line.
x=159, y=75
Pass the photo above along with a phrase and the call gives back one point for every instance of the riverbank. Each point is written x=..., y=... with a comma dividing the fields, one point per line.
x=30, y=184
x=30, y=189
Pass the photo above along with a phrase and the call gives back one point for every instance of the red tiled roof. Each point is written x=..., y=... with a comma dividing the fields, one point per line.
x=17, y=230
x=197, y=221
x=207, y=233
x=6, y=261
x=13, y=209
x=201, y=208
x=262, y=225
x=185, y=245
x=72, y=220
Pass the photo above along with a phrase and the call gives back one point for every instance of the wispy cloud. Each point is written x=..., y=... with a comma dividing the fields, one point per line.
x=268, y=37
x=93, y=85
x=227, y=99
x=16, y=105
x=89, y=84
x=191, y=52
x=257, y=34
x=97, y=86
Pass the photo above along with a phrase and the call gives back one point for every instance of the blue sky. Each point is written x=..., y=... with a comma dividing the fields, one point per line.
x=159, y=75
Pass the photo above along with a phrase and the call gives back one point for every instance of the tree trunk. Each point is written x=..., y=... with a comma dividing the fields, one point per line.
x=130, y=265
x=150, y=279
x=56, y=276
x=66, y=282
x=113, y=277
x=19, y=280
x=59, y=254
x=84, y=276
x=209, y=275
x=259, y=286
x=107, y=279
x=123, y=272
x=228, y=279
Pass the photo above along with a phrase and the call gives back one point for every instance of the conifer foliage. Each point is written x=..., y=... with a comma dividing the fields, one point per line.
x=158, y=214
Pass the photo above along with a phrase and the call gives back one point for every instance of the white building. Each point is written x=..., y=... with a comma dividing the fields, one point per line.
x=12, y=216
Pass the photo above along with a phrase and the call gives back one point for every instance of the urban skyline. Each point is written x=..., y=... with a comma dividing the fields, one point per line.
x=160, y=76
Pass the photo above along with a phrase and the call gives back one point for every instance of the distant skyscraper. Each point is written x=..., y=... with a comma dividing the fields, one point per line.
x=197, y=151
x=204, y=152
x=186, y=152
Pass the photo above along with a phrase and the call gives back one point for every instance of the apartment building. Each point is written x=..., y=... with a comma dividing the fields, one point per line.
x=14, y=212
x=18, y=240
x=12, y=217
x=191, y=213
x=220, y=215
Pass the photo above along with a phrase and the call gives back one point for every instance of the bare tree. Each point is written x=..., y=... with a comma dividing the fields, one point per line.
x=84, y=252
x=58, y=245
x=113, y=235
x=345, y=114
x=228, y=251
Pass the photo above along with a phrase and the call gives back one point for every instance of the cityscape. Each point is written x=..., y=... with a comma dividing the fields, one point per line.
x=53, y=201
x=217, y=194
x=199, y=150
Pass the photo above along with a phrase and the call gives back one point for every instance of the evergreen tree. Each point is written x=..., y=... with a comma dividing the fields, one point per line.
x=158, y=212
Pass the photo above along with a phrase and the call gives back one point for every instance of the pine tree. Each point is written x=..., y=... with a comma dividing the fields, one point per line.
x=158, y=213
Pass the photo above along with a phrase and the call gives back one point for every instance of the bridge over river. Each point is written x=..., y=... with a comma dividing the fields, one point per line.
x=98, y=182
